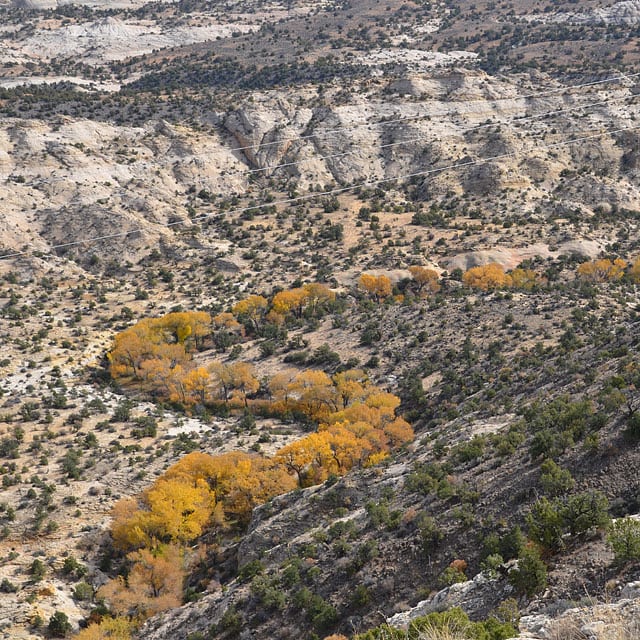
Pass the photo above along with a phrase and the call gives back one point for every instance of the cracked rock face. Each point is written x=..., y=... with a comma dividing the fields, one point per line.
x=475, y=597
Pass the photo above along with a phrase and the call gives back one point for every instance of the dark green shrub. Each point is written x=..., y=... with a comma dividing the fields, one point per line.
x=584, y=511
x=83, y=592
x=250, y=570
x=72, y=567
x=6, y=586
x=555, y=480
x=430, y=534
x=530, y=576
x=37, y=570
x=59, y=625
x=623, y=535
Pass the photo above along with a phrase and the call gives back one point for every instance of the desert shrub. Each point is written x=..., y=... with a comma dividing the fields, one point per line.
x=548, y=521
x=430, y=534
x=360, y=597
x=554, y=479
x=83, y=591
x=250, y=570
x=469, y=451
x=59, y=625
x=427, y=478
x=584, y=511
x=446, y=625
x=6, y=586
x=623, y=535
x=530, y=576
x=71, y=567
x=557, y=425
x=37, y=570
x=267, y=591
x=451, y=575
x=491, y=564
x=230, y=623
x=632, y=430
x=380, y=515
x=145, y=427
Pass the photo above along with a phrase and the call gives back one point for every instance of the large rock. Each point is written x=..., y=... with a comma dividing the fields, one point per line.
x=475, y=597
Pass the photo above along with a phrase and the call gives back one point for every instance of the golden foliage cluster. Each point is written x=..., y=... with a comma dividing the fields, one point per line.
x=141, y=350
x=426, y=280
x=360, y=430
x=156, y=354
x=605, y=270
x=378, y=287
x=493, y=276
x=108, y=629
x=358, y=426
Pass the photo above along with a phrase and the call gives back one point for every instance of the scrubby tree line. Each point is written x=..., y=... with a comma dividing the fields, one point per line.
x=493, y=275
x=157, y=354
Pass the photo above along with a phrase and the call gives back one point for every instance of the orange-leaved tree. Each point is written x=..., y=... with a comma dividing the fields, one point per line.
x=155, y=346
x=525, y=279
x=302, y=456
x=239, y=480
x=185, y=327
x=107, y=628
x=313, y=393
x=487, y=277
x=171, y=510
x=634, y=271
x=291, y=301
x=603, y=270
x=154, y=583
x=378, y=287
x=425, y=279
x=251, y=311
x=351, y=385
x=236, y=379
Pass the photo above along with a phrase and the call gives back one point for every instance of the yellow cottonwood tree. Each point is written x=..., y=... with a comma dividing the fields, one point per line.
x=398, y=432
x=487, y=277
x=193, y=469
x=239, y=480
x=525, y=279
x=107, y=629
x=378, y=287
x=183, y=326
x=317, y=295
x=251, y=310
x=426, y=280
x=351, y=385
x=347, y=449
x=300, y=456
x=280, y=387
x=131, y=348
x=154, y=584
x=196, y=383
x=634, y=271
x=179, y=511
x=313, y=393
x=602, y=270
x=129, y=529
x=158, y=374
x=291, y=301
x=171, y=510
x=238, y=377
